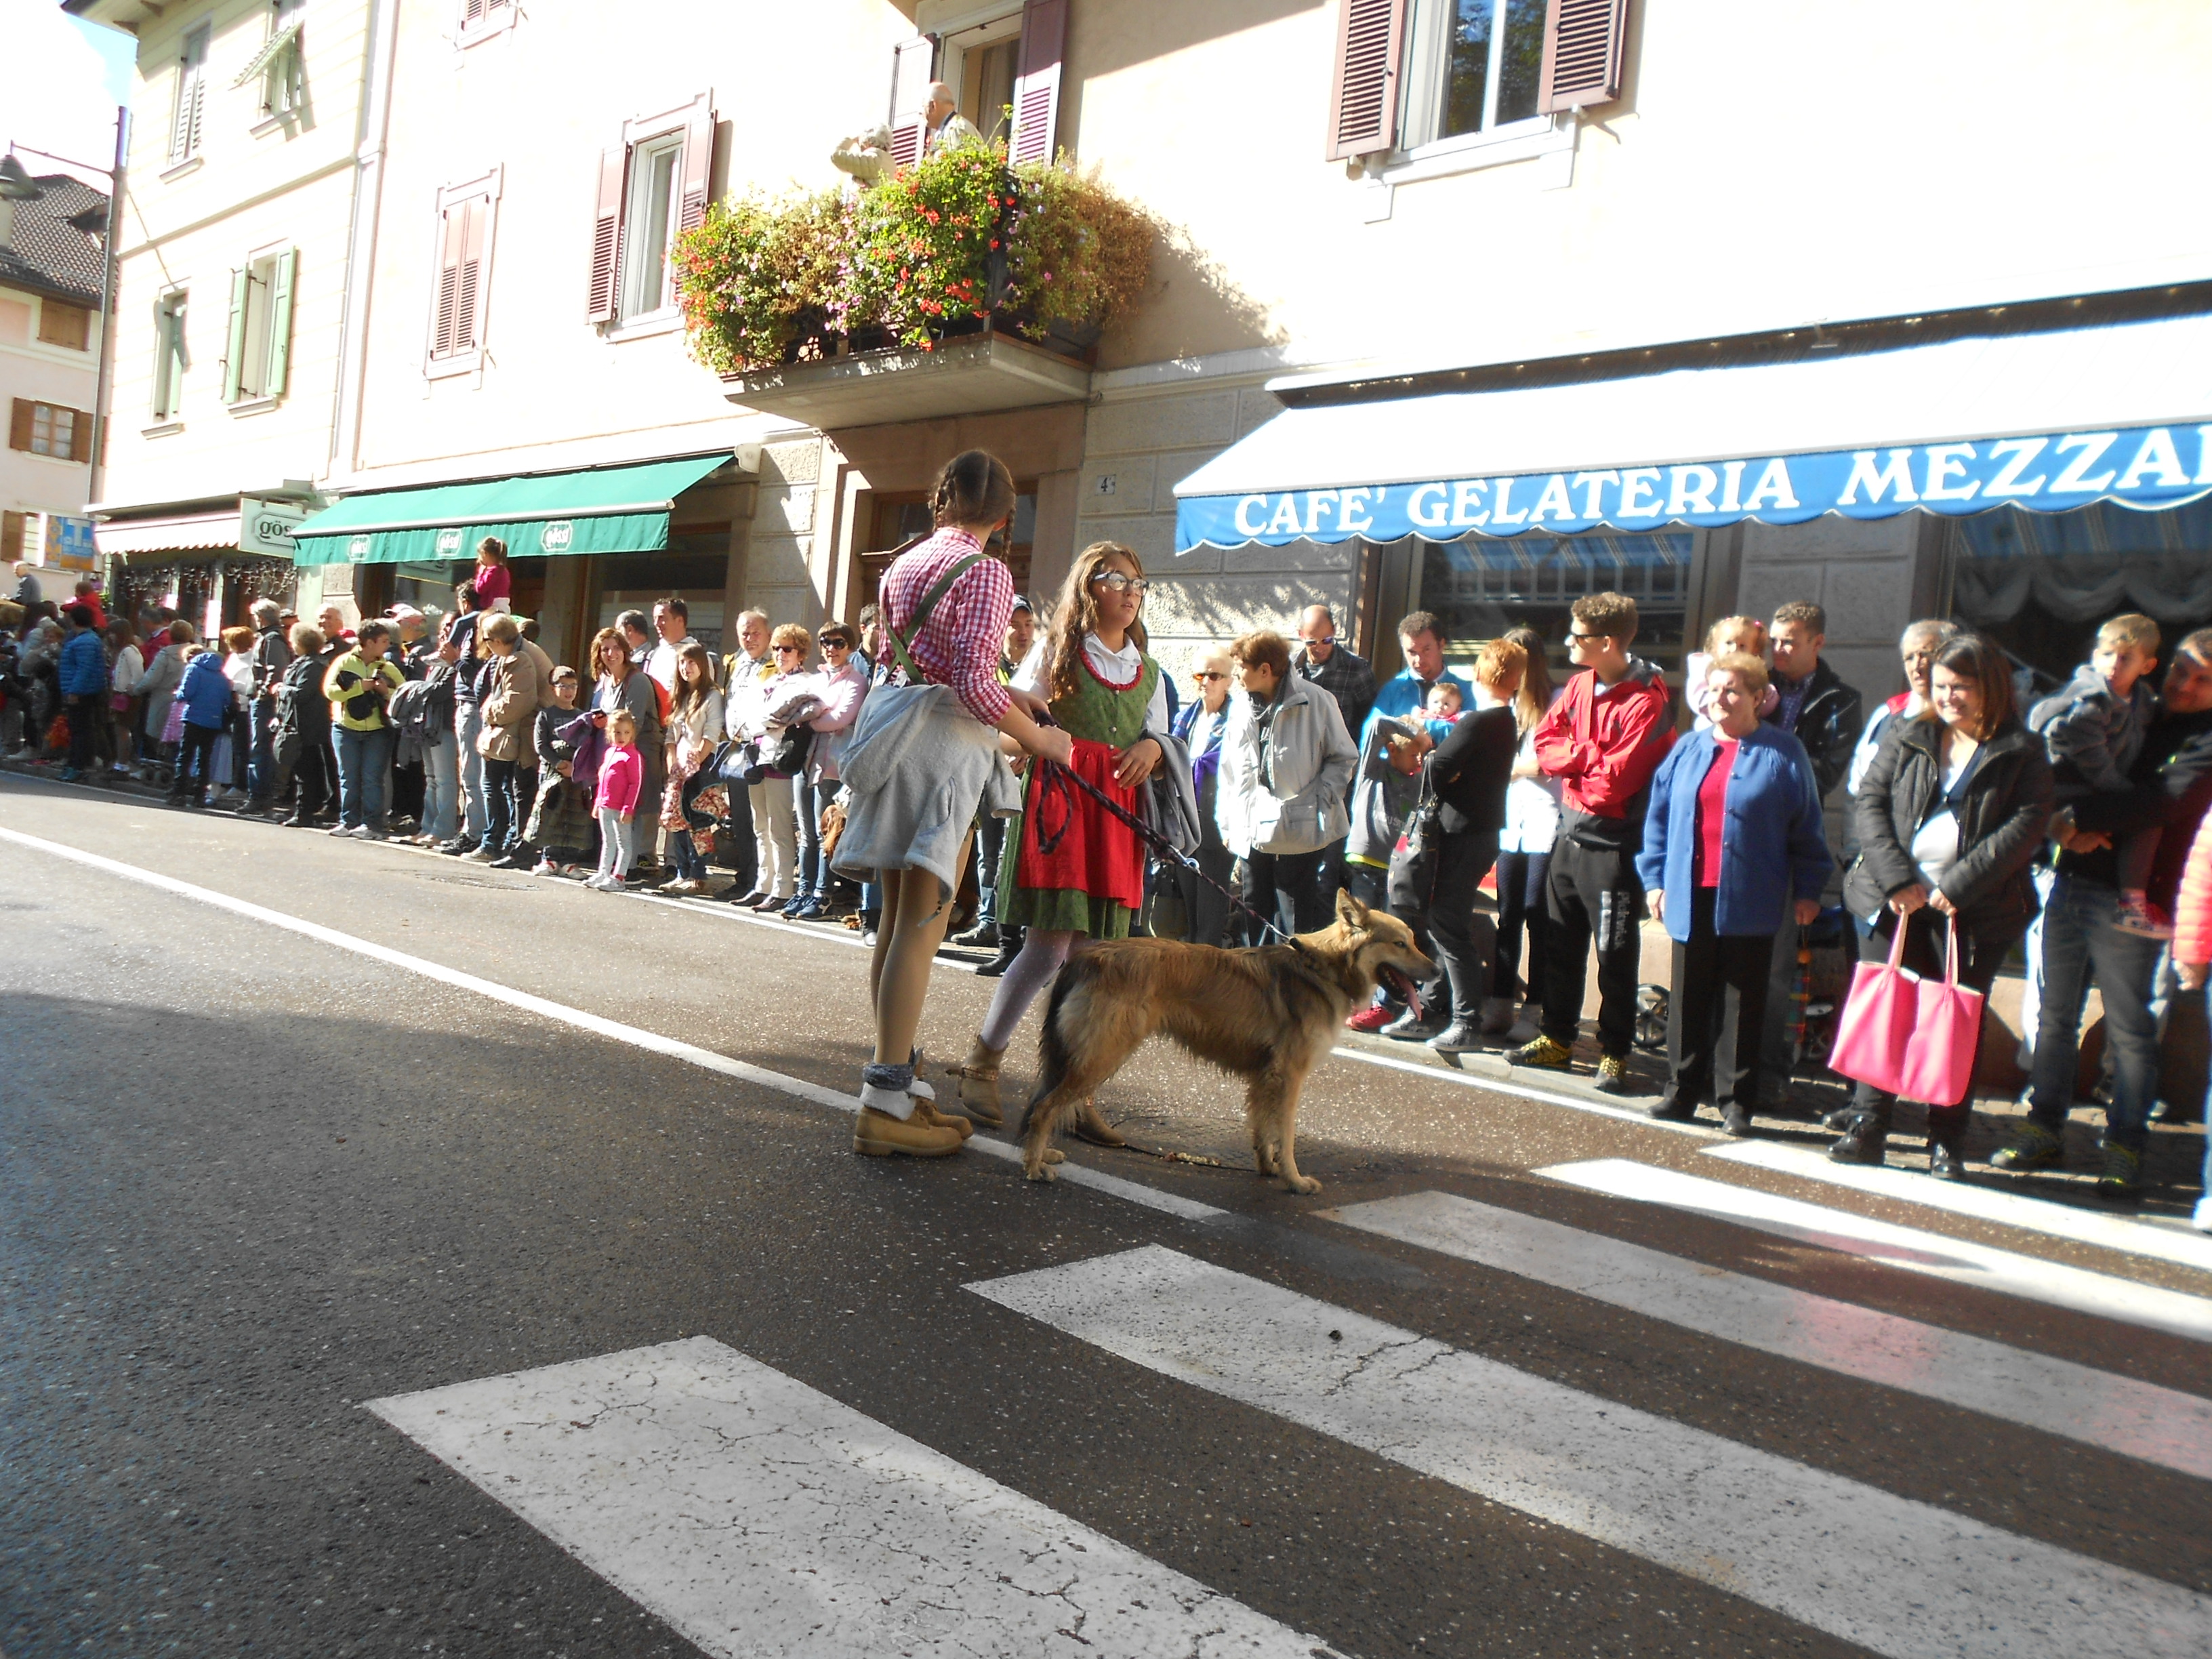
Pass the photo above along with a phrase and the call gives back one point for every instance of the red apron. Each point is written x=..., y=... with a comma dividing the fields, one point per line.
x=1071, y=843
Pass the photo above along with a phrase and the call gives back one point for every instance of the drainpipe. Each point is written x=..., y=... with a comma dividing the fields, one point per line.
x=370, y=137
x=104, y=385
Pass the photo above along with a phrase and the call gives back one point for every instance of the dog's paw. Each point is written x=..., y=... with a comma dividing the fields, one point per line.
x=1302, y=1183
x=1054, y=1155
x=1042, y=1172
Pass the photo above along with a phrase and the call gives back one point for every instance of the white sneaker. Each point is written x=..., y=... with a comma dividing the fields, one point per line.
x=341, y=829
x=545, y=867
x=2203, y=1219
x=366, y=833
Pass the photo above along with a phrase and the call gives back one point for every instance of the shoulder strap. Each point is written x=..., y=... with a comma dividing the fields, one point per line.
x=914, y=623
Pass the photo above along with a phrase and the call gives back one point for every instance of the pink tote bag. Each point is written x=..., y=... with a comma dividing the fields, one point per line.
x=1907, y=1036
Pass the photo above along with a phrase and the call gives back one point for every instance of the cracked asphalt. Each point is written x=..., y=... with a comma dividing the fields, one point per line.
x=249, y=1182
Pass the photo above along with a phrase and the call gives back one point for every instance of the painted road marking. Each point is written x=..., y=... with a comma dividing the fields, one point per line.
x=2174, y=1242
x=1903, y=1578
x=759, y=1516
x=1937, y=1254
x=636, y=1036
x=2136, y=1419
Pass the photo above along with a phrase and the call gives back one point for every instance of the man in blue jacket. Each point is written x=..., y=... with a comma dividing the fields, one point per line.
x=82, y=671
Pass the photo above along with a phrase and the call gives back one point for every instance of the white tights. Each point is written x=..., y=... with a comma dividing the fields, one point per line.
x=1041, y=954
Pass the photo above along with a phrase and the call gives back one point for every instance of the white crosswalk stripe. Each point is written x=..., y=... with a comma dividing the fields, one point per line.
x=1937, y=1254
x=760, y=1517
x=2162, y=1240
x=2137, y=1419
x=1901, y=1577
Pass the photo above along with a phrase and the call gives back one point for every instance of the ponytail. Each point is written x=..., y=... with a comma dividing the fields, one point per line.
x=973, y=489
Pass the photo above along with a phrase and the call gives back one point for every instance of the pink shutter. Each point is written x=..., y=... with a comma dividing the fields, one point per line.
x=451, y=234
x=698, y=163
x=1583, y=42
x=472, y=11
x=1363, y=97
x=475, y=219
x=606, y=233
x=1037, y=82
x=913, y=62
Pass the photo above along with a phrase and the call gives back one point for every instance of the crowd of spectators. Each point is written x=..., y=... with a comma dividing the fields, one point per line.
x=2062, y=833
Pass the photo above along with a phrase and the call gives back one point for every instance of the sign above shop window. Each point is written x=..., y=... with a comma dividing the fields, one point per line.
x=266, y=527
x=2146, y=468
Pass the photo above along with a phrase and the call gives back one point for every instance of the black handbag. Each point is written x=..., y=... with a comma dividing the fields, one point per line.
x=784, y=752
x=1414, y=860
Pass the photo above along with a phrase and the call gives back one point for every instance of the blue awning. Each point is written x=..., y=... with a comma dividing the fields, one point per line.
x=2050, y=422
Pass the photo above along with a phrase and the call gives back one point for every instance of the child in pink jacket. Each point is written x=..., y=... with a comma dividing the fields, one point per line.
x=622, y=772
x=2192, y=959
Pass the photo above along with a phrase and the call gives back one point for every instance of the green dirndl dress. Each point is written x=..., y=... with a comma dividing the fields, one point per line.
x=1097, y=713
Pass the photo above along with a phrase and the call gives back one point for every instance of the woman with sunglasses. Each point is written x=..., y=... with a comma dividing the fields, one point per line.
x=1201, y=724
x=1073, y=870
x=840, y=686
x=775, y=798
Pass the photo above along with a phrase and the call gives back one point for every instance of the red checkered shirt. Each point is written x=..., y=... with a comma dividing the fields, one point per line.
x=961, y=638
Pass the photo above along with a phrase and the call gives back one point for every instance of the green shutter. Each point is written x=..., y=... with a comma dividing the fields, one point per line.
x=234, y=358
x=280, y=322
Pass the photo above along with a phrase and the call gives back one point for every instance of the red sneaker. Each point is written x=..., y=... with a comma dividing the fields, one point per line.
x=1373, y=1018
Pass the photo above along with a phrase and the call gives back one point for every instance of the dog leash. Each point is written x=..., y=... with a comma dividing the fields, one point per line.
x=1053, y=775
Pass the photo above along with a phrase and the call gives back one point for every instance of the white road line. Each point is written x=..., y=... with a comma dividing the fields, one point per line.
x=637, y=1036
x=1937, y=1254
x=2175, y=1243
x=2136, y=1419
x=1470, y=1080
x=1903, y=1578
x=759, y=1516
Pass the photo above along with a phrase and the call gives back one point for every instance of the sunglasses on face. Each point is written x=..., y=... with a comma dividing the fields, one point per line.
x=833, y=644
x=1114, y=582
x=1572, y=636
x=1211, y=675
x=780, y=649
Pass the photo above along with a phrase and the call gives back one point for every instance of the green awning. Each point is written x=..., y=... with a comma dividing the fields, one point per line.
x=616, y=509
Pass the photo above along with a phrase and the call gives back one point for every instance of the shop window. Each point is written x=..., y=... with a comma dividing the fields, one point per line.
x=169, y=357
x=652, y=187
x=189, y=99
x=695, y=567
x=2039, y=583
x=257, y=362
x=49, y=429
x=904, y=517
x=1483, y=586
x=65, y=325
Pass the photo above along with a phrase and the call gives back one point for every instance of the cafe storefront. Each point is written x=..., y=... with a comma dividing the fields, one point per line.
x=2029, y=483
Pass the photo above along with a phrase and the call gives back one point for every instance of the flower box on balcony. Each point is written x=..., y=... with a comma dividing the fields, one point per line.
x=961, y=375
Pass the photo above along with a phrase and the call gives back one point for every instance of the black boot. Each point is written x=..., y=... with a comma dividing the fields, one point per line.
x=1945, y=1161
x=1866, y=1140
x=1010, y=946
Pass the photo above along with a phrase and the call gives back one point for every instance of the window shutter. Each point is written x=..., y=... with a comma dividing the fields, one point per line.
x=472, y=11
x=1582, y=49
x=81, y=437
x=913, y=62
x=450, y=239
x=698, y=164
x=1363, y=97
x=1036, y=81
x=468, y=266
x=606, y=233
x=19, y=424
x=234, y=357
x=184, y=134
x=280, y=322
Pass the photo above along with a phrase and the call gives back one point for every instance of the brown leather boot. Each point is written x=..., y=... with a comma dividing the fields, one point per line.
x=1091, y=1126
x=979, y=1085
x=925, y=1111
x=878, y=1134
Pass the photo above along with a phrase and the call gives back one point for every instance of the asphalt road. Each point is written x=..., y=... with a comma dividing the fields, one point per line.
x=262, y=1190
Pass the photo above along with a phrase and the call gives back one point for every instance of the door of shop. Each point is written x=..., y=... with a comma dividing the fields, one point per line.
x=900, y=516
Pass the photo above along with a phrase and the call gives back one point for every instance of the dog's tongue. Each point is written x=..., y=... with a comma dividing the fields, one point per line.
x=1412, y=992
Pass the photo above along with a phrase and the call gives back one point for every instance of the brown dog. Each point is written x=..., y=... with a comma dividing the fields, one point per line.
x=1266, y=1015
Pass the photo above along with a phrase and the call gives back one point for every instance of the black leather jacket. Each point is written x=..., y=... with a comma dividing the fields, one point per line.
x=2001, y=822
x=1828, y=724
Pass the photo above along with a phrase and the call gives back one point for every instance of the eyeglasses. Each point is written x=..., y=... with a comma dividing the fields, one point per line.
x=1572, y=636
x=1210, y=674
x=1318, y=639
x=833, y=644
x=780, y=649
x=1114, y=582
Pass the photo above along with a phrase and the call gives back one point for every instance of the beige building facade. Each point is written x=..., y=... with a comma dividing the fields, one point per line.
x=1358, y=201
x=53, y=238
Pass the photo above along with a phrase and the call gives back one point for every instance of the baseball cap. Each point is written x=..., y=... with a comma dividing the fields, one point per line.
x=403, y=613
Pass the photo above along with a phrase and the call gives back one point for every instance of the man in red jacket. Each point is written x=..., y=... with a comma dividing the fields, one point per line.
x=1603, y=739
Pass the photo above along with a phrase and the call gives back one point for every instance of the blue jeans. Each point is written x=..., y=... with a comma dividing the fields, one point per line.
x=364, y=761
x=689, y=867
x=441, y=788
x=468, y=720
x=2080, y=940
x=809, y=800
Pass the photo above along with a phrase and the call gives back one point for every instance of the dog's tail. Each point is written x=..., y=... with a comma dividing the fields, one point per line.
x=1052, y=1047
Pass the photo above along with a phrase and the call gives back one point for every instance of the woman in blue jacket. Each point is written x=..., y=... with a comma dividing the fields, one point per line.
x=1733, y=836
x=206, y=693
